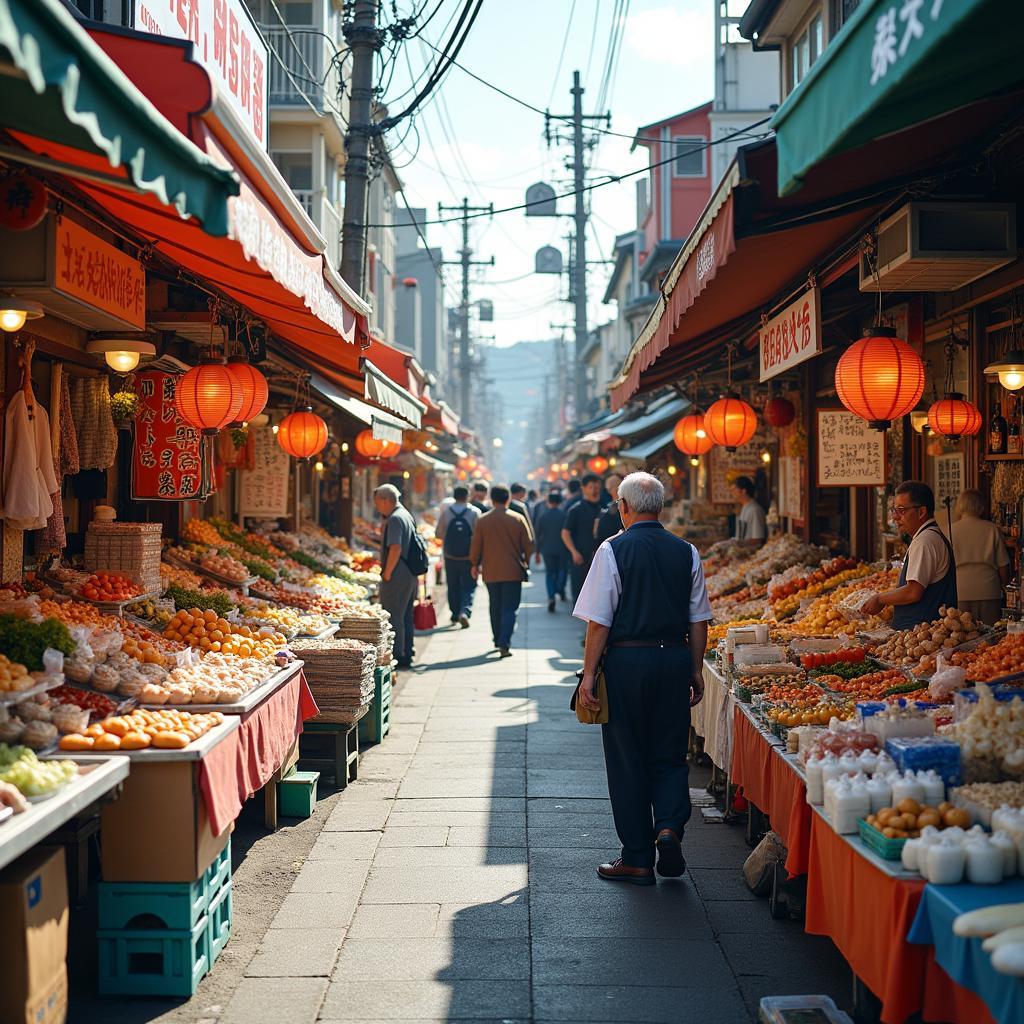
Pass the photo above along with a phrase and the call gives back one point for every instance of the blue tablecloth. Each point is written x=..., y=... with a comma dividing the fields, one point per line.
x=963, y=959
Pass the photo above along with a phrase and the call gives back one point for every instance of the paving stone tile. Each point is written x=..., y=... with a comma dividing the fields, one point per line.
x=484, y=836
x=640, y=1004
x=282, y=1000
x=594, y=837
x=543, y=782
x=722, y=884
x=403, y=835
x=385, y=921
x=316, y=910
x=457, y=958
x=746, y=918
x=447, y=856
x=289, y=953
x=366, y=788
x=334, y=876
x=433, y=884
x=508, y=918
x=427, y=1000
x=359, y=816
x=478, y=819
x=442, y=805
x=567, y=805
x=345, y=846
x=621, y=911
x=428, y=786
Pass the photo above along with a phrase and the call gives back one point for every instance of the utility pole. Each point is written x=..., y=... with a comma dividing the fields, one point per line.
x=466, y=262
x=364, y=40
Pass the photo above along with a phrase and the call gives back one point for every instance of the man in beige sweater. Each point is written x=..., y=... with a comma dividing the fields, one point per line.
x=501, y=549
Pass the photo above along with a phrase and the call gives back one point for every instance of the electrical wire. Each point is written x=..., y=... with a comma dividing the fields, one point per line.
x=593, y=40
x=561, y=53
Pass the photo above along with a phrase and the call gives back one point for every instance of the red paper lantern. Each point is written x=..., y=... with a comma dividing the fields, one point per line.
x=302, y=434
x=255, y=391
x=954, y=416
x=730, y=422
x=369, y=446
x=779, y=412
x=22, y=202
x=880, y=378
x=598, y=464
x=691, y=436
x=390, y=450
x=208, y=396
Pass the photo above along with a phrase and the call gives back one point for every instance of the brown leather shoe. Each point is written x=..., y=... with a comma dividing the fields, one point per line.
x=670, y=854
x=616, y=871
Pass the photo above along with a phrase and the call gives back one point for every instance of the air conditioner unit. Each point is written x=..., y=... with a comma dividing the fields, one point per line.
x=938, y=247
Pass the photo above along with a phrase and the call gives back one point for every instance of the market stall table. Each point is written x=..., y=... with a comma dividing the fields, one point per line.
x=712, y=717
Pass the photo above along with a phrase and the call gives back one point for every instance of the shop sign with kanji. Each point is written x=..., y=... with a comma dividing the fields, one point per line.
x=166, y=455
x=791, y=336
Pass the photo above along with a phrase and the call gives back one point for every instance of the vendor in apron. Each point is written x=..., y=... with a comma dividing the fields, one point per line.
x=928, y=576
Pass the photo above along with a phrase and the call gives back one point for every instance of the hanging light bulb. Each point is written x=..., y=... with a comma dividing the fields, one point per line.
x=1009, y=369
x=694, y=461
x=318, y=466
x=672, y=471
x=14, y=312
x=766, y=457
x=122, y=355
x=275, y=428
x=344, y=446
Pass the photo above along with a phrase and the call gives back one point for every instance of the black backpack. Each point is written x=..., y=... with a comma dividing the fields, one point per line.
x=459, y=535
x=416, y=560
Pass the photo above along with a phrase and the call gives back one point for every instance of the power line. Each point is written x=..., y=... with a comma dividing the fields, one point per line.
x=610, y=180
x=561, y=54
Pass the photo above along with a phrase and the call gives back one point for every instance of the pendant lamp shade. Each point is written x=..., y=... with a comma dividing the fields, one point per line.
x=208, y=397
x=953, y=416
x=254, y=389
x=1010, y=370
x=302, y=434
x=779, y=412
x=690, y=435
x=598, y=464
x=880, y=378
x=730, y=422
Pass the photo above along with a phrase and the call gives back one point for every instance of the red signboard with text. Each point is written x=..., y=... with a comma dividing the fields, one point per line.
x=166, y=455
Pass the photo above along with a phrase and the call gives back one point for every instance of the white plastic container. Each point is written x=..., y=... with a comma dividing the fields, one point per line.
x=880, y=793
x=984, y=862
x=945, y=862
x=885, y=764
x=830, y=768
x=815, y=783
x=1003, y=842
x=868, y=762
x=850, y=801
x=911, y=853
x=934, y=787
x=907, y=786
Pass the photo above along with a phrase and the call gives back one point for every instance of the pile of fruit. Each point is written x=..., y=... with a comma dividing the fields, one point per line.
x=20, y=768
x=322, y=605
x=908, y=817
x=108, y=588
x=288, y=618
x=824, y=617
x=820, y=713
x=150, y=610
x=203, y=629
x=177, y=576
x=789, y=604
x=797, y=579
x=87, y=700
x=990, y=661
x=14, y=677
x=845, y=655
x=225, y=566
x=199, y=531
x=217, y=679
x=77, y=613
x=910, y=646
x=870, y=686
x=990, y=738
x=167, y=730
x=805, y=694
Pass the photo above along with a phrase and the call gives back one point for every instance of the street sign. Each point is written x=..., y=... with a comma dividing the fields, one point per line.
x=548, y=260
x=541, y=200
x=486, y=310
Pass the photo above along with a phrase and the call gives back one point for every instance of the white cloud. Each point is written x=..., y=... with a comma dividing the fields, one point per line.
x=680, y=38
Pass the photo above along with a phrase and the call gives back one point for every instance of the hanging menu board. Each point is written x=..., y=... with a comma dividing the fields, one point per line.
x=264, y=488
x=850, y=453
x=725, y=468
x=166, y=455
x=791, y=477
x=949, y=477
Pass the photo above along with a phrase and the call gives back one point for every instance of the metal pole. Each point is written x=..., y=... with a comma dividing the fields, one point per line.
x=580, y=269
x=363, y=40
x=465, y=367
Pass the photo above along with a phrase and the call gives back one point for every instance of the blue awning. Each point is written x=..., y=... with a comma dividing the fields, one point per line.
x=664, y=411
x=645, y=449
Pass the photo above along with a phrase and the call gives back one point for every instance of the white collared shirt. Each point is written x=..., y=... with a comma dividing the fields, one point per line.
x=603, y=587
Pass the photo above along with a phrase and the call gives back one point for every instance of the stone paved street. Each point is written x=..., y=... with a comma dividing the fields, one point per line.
x=455, y=880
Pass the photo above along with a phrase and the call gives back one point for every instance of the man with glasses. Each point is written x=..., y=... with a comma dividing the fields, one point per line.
x=928, y=576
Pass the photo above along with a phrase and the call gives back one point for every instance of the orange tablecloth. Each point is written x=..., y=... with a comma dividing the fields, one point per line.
x=772, y=785
x=245, y=762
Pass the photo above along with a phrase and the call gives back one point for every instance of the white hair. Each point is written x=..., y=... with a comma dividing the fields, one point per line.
x=643, y=493
x=388, y=491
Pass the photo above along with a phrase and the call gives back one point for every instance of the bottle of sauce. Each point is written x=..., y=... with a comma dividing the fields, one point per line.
x=1013, y=434
x=997, y=433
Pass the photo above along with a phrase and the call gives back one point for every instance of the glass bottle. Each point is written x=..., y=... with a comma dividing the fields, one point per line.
x=997, y=432
x=1013, y=434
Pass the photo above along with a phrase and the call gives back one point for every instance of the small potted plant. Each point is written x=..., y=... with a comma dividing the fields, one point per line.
x=124, y=407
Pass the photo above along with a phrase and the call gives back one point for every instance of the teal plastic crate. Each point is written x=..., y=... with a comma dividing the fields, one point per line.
x=175, y=906
x=153, y=962
x=377, y=723
x=296, y=794
x=218, y=874
x=219, y=922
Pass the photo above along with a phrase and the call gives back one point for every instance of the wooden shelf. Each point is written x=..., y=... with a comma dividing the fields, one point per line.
x=1004, y=458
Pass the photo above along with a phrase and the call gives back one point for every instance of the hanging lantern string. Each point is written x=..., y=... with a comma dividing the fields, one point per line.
x=950, y=355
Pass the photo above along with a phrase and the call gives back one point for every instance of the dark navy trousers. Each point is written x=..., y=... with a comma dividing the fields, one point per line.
x=645, y=745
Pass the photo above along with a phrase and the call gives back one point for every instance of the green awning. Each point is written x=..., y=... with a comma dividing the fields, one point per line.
x=62, y=87
x=895, y=64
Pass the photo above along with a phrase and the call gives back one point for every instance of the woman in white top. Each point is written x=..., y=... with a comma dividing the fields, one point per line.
x=982, y=562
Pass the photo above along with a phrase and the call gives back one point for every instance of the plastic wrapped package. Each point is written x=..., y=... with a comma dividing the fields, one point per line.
x=924, y=752
x=846, y=800
x=105, y=678
x=38, y=735
x=895, y=721
x=70, y=718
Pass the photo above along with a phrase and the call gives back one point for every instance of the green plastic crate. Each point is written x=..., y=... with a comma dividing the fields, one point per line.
x=888, y=849
x=377, y=724
x=219, y=922
x=296, y=794
x=152, y=961
x=218, y=874
x=176, y=906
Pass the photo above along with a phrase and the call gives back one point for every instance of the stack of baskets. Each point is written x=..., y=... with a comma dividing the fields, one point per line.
x=340, y=674
x=372, y=625
x=131, y=548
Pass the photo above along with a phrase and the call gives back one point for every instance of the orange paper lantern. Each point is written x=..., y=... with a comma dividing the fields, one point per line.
x=954, y=416
x=369, y=446
x=730, y=422
x=880, y=378
x=254, y=389
x=779, y=412
x=208, y=397
x=302, y=434
x=690, y=435
x=390, y=450
x=598, y=464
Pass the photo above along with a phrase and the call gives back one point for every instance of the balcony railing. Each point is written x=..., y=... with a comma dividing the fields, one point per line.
x=302, y=70
x=327, y=219
x=305, y=197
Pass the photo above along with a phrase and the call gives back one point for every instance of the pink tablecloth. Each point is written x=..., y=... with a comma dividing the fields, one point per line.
x=245, y=762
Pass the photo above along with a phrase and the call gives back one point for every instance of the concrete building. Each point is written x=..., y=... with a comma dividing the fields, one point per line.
x=420, y=306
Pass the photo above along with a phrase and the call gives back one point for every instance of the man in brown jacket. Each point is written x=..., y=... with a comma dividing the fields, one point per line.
x=502, y=545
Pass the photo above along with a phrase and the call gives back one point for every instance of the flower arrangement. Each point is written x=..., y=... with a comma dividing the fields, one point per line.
x=124, y=406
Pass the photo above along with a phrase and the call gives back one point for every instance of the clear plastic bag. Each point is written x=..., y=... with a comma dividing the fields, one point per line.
x=946, y=680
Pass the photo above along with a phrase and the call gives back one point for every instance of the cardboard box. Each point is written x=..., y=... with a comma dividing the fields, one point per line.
x=34, y=909
x=158, y=830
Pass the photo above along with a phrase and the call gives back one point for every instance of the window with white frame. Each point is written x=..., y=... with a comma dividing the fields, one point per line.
x=805, y=49
x=689, y=153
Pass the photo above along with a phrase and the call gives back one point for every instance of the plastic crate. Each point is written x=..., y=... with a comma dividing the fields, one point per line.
x=886, y=848
x=800, y=1010
x=377, y=724
x=219, y=922
x=175, y=906
x=218, y=874
x=296, y=794
x=153, y=962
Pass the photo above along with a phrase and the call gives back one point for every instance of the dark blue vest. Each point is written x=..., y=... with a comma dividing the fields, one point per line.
x=655, y=568
x=941, y=592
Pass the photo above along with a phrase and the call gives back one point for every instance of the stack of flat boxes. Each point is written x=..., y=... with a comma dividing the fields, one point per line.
x=131, y=548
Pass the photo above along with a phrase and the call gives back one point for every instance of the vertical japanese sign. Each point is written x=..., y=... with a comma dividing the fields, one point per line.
x=226, y=42
x=949, y=476
x=791, y=337
x=850, y=453
x=166, y=462
x=791, y=478
x=264, y=488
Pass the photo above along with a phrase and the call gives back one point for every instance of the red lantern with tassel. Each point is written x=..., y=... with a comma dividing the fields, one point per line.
x=208, y=397
x=779, y=412
x=880, y=378
x=253, y=384
x=302, y=434
x=691, y=436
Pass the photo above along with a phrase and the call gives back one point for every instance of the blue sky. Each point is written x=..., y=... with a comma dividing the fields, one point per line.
x=470, y=132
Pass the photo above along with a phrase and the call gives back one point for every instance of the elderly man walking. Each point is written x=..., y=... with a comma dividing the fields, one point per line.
x=398, y=583
x=501, y=549
x=647, y=613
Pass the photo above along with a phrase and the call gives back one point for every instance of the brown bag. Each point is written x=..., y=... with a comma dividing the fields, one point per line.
x=585, y=714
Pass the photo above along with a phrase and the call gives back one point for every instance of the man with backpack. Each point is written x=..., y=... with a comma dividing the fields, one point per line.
x=403, y=556
x=455, y=529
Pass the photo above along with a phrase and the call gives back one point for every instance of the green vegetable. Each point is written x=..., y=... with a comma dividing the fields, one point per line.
x=311, y=563
x=24, y=642
x=215, y=600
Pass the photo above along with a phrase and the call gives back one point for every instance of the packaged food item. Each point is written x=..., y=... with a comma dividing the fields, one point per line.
x=924, y=752
x=38, y=735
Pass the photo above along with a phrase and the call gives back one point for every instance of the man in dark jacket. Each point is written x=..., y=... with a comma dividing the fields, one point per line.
x=518, y=504
x=551, y=548
x=609, y=522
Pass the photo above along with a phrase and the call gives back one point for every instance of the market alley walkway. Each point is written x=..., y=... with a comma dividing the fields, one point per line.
x=456, y=881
